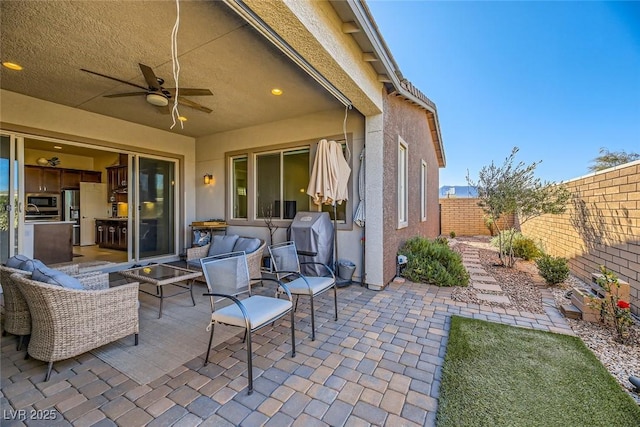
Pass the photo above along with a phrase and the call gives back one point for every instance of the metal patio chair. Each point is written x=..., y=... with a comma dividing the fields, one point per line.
x=284, y=259
x=227, y=277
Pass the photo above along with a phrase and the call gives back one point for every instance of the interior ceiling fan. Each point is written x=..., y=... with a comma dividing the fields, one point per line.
x=156, y=94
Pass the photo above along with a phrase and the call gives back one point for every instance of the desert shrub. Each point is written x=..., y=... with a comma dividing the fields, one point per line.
x=431, y=262
x=506, y=239
x=554, y=270
x=452, y=234
x=526, y=249
x=442, y=240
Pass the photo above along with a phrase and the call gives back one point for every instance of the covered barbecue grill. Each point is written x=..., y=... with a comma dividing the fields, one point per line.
x=312, y=233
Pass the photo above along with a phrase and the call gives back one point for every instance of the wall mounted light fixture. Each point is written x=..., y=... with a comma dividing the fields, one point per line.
x=208, y=179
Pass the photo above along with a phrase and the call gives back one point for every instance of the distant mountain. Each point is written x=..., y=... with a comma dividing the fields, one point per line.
x=458, y=191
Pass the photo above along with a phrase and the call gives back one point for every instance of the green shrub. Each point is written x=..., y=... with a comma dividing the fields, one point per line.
x=442, y=240
x=452, y=234
x=554, y=270
x=506, y=239
x=526, y=249
x=434, y=263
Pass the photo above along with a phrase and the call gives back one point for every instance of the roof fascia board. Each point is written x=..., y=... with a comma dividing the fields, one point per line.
x=256, y=22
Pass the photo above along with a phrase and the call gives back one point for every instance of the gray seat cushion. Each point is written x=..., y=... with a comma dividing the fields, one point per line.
x=246, y=244
x=222, y=244
x=56, y=278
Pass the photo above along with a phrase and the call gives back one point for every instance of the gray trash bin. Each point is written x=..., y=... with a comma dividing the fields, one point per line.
x=346, y=269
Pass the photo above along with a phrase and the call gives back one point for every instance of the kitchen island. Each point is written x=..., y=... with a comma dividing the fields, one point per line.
x=49, y=241
x=112, y=233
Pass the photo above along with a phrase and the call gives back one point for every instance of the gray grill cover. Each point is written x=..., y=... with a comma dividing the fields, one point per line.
x=313, y=232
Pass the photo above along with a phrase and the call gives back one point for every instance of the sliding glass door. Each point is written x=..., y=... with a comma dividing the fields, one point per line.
x=156, y=213
x=9, y=198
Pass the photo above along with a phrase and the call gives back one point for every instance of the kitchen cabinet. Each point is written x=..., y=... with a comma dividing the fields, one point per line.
x=117, y=177
x=71, y=178
x=111, y=233
x=40, y=179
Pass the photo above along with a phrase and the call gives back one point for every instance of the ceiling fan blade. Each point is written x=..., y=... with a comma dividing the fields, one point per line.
x=188, y=103
x=164, y=110
x=113, y=78
x=119, y=95
x=150, y=77
x=189, y=91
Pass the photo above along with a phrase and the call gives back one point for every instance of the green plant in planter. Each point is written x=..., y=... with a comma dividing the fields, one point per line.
x=613, y=310
x=554, y=270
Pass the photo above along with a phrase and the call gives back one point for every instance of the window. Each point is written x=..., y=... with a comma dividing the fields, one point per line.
x=281, y=183
x=239, y=170
x=402, y=184
x=423, y=191
x=271, y=182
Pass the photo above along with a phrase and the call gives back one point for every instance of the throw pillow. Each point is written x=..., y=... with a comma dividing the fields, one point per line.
x=16, y=260
x=222, y=244
x=56, y=278
x=201, y=237
x=31, y=264
x=246, y=244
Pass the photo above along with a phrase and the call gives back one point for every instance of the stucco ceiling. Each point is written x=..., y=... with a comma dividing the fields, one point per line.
x=217, y=50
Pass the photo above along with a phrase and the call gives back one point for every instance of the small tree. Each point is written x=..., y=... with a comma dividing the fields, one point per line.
x=513, y=189
x=608, y=159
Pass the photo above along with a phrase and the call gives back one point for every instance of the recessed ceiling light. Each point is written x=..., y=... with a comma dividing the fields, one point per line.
x=275, y=91
x=12, y=66
x=57, y=147
x=182, y=118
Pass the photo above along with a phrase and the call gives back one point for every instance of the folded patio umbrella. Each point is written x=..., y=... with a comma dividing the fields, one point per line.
x=329, y=180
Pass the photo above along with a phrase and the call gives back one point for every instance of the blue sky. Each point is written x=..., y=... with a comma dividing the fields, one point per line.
x=559, y=80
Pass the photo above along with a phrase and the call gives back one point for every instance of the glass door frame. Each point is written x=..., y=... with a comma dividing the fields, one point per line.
x=15, y=193
x=134, y=201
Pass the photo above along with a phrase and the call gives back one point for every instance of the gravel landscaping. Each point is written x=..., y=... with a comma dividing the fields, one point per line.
x=522, y=285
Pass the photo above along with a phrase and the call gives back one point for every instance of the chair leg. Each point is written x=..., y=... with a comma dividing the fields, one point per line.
x=244, y=338
x=296, y=307
x=48, y=372
x=313, y=321
x=136, y=339
x=206, y=360
x=20, y=340
x=293, y=337
x=4, y=333
x=335, y=299
x=249, y=361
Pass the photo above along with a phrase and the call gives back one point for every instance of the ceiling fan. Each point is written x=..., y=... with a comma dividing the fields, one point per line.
x=156, y=94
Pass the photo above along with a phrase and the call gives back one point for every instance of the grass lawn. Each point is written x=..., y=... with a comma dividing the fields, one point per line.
x=499, y=375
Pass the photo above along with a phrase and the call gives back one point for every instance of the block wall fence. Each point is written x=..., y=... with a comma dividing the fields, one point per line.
x=465, y=218
x=600, y=227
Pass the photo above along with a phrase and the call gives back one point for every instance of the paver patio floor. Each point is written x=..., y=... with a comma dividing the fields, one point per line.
x=379, y=364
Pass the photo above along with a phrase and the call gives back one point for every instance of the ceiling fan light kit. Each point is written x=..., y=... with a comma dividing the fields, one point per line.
x=157, y=99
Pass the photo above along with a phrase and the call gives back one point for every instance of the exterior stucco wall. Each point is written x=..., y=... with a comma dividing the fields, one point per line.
x=600, y=227
x=402, y=119
x=211, y=150
x=314, y=30
x=464, y=217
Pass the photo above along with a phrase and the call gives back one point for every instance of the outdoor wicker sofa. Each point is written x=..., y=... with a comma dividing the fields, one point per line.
x=254, y=258
x=68, y=322
x=17, y=319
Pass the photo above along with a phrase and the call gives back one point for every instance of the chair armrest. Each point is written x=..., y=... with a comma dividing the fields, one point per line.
x=322, y=264
x=198, y=252
x=94, y=280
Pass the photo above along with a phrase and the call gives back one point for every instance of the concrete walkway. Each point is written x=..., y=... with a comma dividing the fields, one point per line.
x=379, y=364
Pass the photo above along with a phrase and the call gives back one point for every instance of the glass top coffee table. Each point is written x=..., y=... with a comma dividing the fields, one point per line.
x=161, y=275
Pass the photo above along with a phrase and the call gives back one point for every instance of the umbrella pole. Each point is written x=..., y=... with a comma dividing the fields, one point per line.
x=335, y=238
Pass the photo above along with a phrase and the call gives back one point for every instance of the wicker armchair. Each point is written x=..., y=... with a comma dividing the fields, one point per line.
x=254, y=259
x=17, y=320
x=68, y=322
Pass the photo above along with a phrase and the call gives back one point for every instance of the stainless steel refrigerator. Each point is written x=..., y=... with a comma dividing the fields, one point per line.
x=71, y=212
